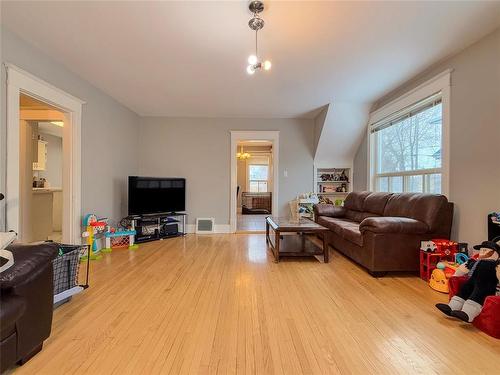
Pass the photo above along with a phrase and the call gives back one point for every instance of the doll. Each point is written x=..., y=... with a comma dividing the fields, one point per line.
x=483, y=280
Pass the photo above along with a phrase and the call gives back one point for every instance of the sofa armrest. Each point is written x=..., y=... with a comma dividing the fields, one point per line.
x=329, y=210
x=402, y=225
x=29, y=260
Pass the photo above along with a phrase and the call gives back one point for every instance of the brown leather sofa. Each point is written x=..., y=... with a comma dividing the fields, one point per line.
x=382, y=231
x=26, y=300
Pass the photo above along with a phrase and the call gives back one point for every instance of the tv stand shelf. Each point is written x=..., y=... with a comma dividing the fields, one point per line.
x=158, y=226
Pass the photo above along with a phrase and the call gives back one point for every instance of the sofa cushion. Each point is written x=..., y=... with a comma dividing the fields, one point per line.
x=358, y=216
x=421, y=207
x=336, y=224
x=352, y=233
x=355, y=200
x=376, y=202
x=329, y=210
x=393, y=225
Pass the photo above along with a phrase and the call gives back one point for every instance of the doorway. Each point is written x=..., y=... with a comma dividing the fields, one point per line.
x=254, y=179
x=255, y=185
x=23, y=130
x=40, y=170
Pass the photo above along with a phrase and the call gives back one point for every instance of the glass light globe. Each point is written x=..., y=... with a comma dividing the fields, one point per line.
x=250, y=69
x=267, y=65
x=252, y=59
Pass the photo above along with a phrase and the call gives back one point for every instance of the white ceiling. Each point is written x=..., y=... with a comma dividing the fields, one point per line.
x=49, y=128
x=189, y=58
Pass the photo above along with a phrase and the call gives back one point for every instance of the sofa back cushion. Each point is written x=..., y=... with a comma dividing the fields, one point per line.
x=355, y=200
x=363, y=204
x=375, y=203
x=423, y=207
x=358, y=216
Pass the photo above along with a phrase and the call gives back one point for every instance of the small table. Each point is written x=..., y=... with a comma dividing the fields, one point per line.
x=301, y=229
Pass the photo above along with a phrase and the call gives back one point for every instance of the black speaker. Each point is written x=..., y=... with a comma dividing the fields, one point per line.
x=169, y=229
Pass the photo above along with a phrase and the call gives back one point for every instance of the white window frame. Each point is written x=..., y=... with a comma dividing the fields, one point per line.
x=258, y=181
x=440, y=83
x=254, y=161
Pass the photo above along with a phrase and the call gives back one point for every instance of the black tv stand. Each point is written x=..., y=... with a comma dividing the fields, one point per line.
x=158, y=226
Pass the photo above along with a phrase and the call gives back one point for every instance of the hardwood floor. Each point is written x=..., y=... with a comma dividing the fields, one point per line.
x=251, y=223
x=218, y=304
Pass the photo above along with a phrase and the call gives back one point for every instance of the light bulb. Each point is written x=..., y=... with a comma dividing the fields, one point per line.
x=250, y=69
x=267, y=65
x=252, y=59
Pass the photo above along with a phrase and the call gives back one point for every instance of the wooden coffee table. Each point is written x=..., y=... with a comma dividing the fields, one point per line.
x=296, y=234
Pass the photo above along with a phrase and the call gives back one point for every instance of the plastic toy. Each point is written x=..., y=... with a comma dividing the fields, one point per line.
x=481, y=283
x=94, y=229
x=446, y=247
x=428, y=246
x=122, y=238
x=442, y=246
x=444, y=271
x=438, y=281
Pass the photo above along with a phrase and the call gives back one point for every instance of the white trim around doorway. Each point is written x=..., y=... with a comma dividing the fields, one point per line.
x=21, y=82
x=256, y=135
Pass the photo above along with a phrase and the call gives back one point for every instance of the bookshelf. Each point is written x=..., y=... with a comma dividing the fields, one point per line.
x=333, y=184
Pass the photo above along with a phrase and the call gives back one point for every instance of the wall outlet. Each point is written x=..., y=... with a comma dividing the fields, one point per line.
x=285, y=173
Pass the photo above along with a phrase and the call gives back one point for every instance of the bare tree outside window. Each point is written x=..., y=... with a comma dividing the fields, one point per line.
x=411, y=144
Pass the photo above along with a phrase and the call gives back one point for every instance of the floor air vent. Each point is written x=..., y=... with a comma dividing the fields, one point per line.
x=205, y=225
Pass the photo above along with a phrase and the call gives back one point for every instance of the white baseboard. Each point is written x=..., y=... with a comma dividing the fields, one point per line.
x=218, y=228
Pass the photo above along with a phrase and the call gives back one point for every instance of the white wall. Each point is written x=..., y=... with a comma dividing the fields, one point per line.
x=199, y=150
x=474, y=135
x=360, y=167
x=109, y=130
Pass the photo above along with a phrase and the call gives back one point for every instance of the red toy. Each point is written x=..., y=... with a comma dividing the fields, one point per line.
x=488, y=320
x=446, y=247
x=435, y=251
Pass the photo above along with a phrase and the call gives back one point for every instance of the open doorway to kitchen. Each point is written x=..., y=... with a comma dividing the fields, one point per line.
x=254, y=179
x=255, y=184
x=40, y=170
x=43, y=131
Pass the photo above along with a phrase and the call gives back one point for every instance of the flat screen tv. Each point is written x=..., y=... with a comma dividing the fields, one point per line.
x=154, y=195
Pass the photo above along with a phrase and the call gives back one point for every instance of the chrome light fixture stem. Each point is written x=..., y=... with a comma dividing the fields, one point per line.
x=256, y=23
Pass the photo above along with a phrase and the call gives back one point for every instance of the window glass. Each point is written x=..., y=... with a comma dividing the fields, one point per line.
x=434, y=183
x=258, y=172
x=383, y=184
x=412, y=143
x=415, y=184
x=407, y=150
x=396, y=184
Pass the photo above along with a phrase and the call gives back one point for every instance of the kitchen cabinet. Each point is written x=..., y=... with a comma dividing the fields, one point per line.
x=41, y=156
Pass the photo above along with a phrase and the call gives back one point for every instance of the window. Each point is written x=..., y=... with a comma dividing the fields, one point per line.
x=407, y=148
x=258, y=177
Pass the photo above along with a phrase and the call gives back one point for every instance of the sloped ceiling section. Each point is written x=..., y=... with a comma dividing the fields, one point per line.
x=319, y=122
x=341, y=126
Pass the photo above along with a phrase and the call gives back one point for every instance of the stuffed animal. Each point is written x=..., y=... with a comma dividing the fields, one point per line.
x=483, y=281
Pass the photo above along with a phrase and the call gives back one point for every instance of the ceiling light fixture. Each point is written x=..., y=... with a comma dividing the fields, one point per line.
x=242, y=155
x=57, y=123
x=256, y=23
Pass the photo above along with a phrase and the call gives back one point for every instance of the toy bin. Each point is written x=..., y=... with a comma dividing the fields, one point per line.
x=66, y=267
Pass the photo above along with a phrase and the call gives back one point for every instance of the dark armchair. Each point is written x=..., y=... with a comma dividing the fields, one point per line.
x=26, y=300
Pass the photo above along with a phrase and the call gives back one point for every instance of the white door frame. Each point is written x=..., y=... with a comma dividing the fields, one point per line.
x=21, y=82
x=256, y=135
